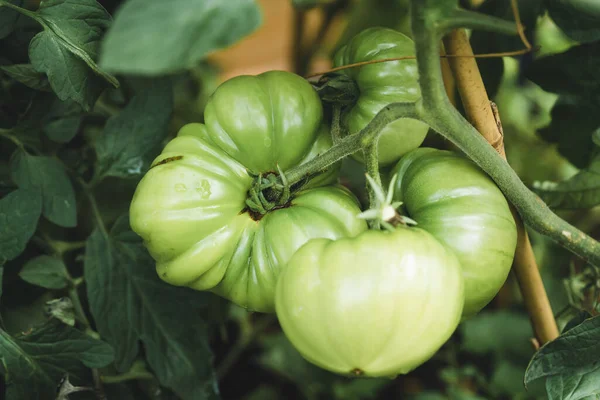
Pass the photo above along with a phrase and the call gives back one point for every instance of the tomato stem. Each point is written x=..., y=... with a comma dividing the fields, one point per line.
x=353, y=143
x=372, y=165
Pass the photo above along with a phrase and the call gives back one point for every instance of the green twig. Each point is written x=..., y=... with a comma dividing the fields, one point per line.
x=353, y=143
x=371, y=157
x=475, y=20
x=336, y=133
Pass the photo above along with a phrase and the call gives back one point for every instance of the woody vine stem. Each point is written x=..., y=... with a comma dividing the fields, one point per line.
x=431, y=19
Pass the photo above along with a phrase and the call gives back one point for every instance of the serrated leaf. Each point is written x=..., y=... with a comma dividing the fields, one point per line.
x=27, y=75
x=45, y=271
x=37, y=361
x=580, y=191
x=573, y=72
x=8, y=18
x=131, y=139
x=19, y=214
x=579, y=19
x=581, y=316
x=573, y=352
x=574, y=119
x=575, y=386
x=137, y=44
x=128, y=303
x=49, y=177
x=67, y=47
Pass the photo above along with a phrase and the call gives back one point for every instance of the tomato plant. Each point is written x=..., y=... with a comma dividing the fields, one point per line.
x=303, y=199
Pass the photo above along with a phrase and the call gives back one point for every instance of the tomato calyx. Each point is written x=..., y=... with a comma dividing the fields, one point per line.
x=337, y=89
x=384, y=210
x=269, y=191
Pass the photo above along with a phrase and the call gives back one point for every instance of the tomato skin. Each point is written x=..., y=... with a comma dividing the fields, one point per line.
x=264, y=120
x=190, y=210
x=381, y=84
x=379, y=304
x=450, y=197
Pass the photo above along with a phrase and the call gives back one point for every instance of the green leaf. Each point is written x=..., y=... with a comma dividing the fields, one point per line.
x=580, y=191
x=63, y=121
x=61, y=309
x=45, y=271
x=574, y=120
x=280, y=357
x=130, y=304
x=1, y=277
x=131, y=139
x=27, y=75
x=579, y=19
x=492, y=69
x=573, y=72
x=138, y=42
x=359, y=389
x=576, y=320
x=49, y=177
x=35, y=362
x=575, y=386
x=573, y=352
x=67, y=47
x=8, y=18
x=502, y=333
x=19, y=214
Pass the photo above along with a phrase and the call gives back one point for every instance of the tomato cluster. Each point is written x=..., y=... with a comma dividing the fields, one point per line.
x=216, y=214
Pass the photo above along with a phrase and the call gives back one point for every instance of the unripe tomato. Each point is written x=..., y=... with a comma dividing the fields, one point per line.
x=190, y=207
x=379, y=304
x=454, y=200
x=264, y=120
x=381, y=84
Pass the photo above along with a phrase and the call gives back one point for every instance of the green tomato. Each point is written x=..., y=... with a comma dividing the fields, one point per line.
x=381, y=84
x=376, y=305
x=264, y=120
x=450, y=197
x=190, y=210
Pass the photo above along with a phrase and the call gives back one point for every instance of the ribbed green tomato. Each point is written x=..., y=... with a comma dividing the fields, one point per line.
x=190, y=210
x=264, y=120
x=450, y=197
x=379, y=304
x=381, y=84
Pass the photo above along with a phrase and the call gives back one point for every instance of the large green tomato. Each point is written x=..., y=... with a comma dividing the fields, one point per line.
x=190, y=207
x=379, y=304
x=381, y=84
x=450, y=197
x=264, y=120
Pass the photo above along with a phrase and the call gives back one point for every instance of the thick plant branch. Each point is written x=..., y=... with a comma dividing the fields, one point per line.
x=353, y=143
x=436, y=110
x=474, y=20
x=479, y=112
